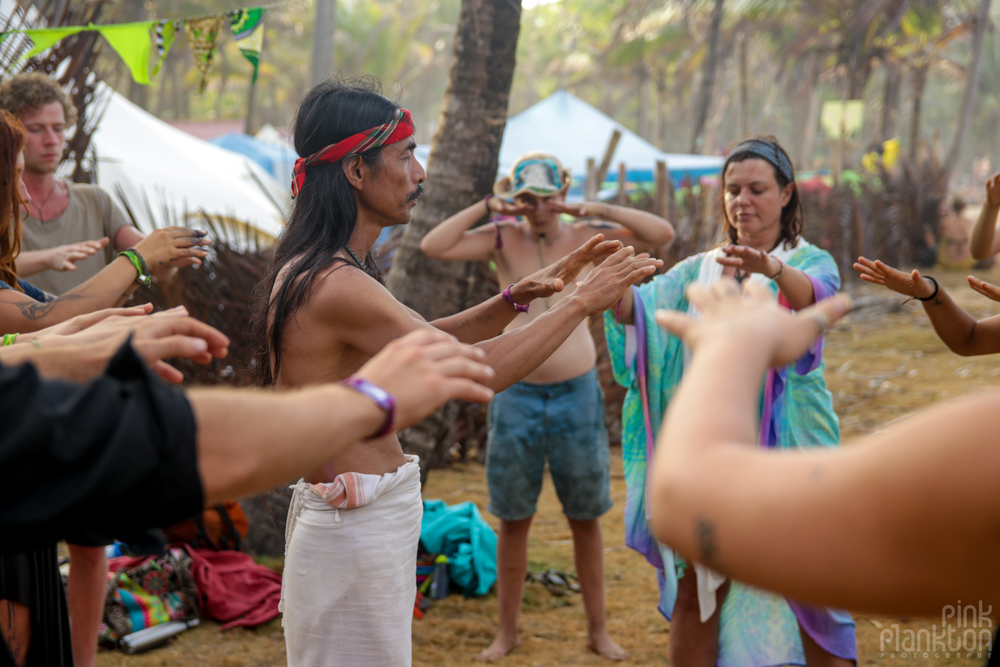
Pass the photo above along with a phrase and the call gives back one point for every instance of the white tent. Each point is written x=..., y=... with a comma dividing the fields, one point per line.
x=572, y=130
x=152, y=162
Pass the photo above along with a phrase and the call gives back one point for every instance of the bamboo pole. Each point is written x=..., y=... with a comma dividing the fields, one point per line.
x=662, y=192
x=622, y=194
x=590, y=185
x=609, y=154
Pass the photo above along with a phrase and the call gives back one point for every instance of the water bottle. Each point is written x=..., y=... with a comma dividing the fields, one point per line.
x=439, y=580
x=151, y=637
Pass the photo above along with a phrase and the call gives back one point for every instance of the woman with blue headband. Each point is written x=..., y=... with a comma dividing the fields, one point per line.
x=714, y=620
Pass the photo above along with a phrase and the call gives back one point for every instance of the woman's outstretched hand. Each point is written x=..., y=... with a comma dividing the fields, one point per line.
x=986, y=289
x=753, y=316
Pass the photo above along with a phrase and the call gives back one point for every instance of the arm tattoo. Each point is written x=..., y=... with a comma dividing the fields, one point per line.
x=36, y=310
x=705, y=534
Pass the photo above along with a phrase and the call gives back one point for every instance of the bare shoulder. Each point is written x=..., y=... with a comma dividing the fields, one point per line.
x=345, y=290
x=357, y=309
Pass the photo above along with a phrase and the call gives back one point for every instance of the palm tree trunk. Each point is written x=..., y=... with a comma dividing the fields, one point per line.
x=461, y=169
x=322, y=63
x=890, y=102
x=971, y=85
x=812, y=114
x=707, y=79
x=744, y=94
x=919, y=82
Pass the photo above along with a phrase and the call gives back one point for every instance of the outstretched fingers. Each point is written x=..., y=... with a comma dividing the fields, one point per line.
x=778, y=334
x=984, y=288
x=205, y=340
x=594, y=251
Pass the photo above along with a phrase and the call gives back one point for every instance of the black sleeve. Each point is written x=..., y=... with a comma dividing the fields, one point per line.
x=115, y=455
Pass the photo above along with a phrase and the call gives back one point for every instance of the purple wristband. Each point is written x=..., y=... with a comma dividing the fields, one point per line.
x=509, y=299
x=380, y=396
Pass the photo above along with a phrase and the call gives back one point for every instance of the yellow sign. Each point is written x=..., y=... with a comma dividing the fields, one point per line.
x=842, y=118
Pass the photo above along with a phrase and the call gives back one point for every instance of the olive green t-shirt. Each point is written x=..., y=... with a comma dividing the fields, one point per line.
x=90, y=215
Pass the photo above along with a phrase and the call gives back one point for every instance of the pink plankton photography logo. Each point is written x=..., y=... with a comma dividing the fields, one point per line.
x=966, y=631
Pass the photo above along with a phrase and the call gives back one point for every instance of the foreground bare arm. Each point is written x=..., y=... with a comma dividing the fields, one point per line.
x=237, y=430
x=847, y=528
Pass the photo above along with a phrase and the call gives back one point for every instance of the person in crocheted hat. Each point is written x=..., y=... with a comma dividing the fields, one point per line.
x=557, y=411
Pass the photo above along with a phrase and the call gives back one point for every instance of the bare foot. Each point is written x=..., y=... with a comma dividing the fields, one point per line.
x=500, y=647
x=605, y=646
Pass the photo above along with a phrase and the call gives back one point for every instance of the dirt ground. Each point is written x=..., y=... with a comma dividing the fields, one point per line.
x=883, y=362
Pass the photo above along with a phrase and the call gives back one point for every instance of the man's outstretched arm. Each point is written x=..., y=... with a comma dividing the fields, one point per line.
x=363, y=314
x=251, y=440
x=75, y=457
x=489, y=318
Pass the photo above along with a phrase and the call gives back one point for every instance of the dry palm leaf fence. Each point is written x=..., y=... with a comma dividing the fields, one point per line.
x=883, y=217
x=218, y=293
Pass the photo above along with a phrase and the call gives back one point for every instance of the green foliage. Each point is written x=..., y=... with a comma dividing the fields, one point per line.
x=639, y=61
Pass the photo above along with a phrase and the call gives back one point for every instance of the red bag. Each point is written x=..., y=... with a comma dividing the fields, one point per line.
x=219, y=528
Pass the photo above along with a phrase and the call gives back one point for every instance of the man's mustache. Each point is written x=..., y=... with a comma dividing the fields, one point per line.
x=416, y=193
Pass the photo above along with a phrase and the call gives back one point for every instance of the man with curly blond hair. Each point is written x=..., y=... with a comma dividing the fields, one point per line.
x=72, y=230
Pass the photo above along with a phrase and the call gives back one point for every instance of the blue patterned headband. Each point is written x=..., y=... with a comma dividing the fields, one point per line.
x=766, y=150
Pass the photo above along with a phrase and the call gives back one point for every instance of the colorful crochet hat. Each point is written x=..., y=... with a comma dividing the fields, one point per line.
x=538, y=174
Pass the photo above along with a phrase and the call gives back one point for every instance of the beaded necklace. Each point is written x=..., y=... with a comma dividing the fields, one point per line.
x=364, y=267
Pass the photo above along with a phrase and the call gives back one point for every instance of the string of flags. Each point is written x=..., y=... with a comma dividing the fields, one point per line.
x=135, y=42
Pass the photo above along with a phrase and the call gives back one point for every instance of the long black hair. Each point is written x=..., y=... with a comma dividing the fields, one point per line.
x=324, y=214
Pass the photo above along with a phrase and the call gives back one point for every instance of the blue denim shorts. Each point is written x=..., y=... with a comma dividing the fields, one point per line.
x=561, y=422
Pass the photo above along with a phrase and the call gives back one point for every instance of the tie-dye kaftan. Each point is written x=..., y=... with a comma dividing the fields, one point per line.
x=758, y=629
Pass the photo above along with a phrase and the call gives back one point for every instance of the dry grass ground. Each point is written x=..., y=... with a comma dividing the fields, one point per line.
x=882, y=363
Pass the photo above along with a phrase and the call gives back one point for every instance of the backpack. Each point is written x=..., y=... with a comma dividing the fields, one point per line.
x=219, y=527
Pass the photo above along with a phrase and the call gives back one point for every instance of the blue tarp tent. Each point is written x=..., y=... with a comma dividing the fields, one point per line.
x=276, y=159
x=572, y=130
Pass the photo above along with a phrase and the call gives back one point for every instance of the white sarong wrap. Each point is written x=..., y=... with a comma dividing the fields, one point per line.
x=350, y=574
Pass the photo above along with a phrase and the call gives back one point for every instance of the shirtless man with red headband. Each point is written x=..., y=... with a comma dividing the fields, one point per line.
x=354, y=524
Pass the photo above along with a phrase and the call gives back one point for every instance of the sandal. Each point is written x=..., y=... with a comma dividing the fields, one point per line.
x=556, y=582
